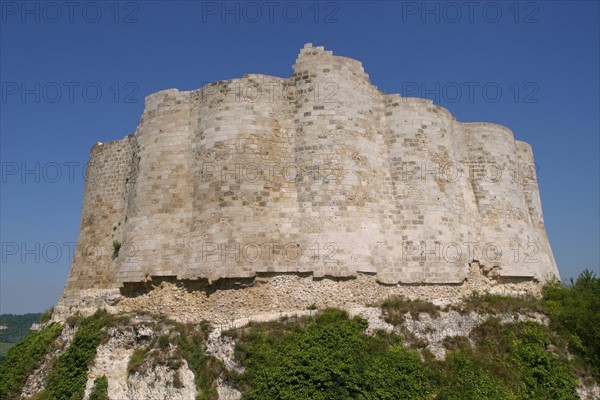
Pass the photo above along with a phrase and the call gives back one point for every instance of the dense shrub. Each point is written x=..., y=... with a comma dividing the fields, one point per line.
x=574, y=310
x=507, y=361
x=463, y=377
x=545, y=375
x=396, y=373
x=24, y=358
x=68, y=377
x=330, y=358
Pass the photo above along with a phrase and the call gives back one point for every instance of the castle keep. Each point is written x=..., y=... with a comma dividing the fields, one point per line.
x=319, y=175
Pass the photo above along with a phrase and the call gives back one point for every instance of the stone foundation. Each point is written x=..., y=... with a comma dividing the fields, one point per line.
x=232, y=299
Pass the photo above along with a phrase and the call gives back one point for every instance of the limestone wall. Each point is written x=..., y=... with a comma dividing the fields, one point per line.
x=319, y=173
x=103, y=213
x=241, y=201
x=159, y=219
x=343, y=201
x=430, y=205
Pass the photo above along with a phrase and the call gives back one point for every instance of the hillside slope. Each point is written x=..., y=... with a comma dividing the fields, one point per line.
x=488, y=347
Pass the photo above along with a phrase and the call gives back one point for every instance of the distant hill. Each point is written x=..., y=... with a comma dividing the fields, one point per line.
x=14, y=328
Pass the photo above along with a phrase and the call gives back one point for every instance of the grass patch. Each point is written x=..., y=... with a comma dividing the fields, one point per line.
x=276, y=328
x=454, y=343
x=137, y=360
x=100, y=389
x=394, y=309
x=146, y=358
x=177, y=382
x=499, y=304
x=207, y=369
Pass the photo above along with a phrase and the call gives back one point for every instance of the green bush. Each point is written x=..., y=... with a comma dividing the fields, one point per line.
x=329, y=358
x=466, y=378
x=100, y=389
x=68, y=377
x=545, y=376
x=508, y=361
x=396, y=373
x=574, y=310
x=24, y=358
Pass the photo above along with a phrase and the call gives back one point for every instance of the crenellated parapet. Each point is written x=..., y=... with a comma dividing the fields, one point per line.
x=319, y=173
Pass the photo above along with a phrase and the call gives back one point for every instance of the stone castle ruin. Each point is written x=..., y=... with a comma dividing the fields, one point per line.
x=264, y=194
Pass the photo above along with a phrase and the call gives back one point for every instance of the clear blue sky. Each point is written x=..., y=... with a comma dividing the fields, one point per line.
x=543, y=56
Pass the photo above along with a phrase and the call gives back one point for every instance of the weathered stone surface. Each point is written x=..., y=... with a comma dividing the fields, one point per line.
x=112, y=359
x=317, y=175
x=283, y=294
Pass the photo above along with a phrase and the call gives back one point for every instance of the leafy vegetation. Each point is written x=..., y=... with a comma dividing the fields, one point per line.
x=328, y=358
x=462, y=376
x=329, y=355
x=24, y=358
x=69, y=375
x=100, y=389
x=507, y=361
x=206, y=369
x=574, y=310
x=116, y=248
